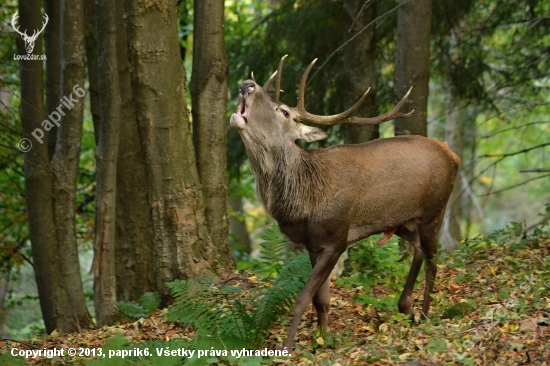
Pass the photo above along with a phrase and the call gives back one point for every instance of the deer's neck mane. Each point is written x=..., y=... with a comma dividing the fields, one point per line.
x=289, y=182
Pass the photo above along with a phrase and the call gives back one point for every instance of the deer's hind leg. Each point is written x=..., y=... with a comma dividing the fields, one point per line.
x=405, y=301
x=428, y=241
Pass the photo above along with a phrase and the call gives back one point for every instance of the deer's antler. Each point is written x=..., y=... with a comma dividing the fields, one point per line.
x=279, y=73
x=346, y=116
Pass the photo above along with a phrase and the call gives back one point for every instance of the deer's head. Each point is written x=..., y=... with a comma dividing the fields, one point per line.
x=263, y=119
x=29, y=40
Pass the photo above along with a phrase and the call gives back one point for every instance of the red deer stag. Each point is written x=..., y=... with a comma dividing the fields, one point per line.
x=327, y=199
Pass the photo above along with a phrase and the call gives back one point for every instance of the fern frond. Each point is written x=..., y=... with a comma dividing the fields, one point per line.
x=279, y=298
x=132, y=310
x=274, y=250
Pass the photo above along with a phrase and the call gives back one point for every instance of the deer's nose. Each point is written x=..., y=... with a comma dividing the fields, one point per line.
x=246, y=88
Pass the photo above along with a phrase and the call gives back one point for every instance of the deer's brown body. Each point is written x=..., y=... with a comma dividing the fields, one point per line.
x=330, y=198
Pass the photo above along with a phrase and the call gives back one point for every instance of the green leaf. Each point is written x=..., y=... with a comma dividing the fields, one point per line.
x=436, y=346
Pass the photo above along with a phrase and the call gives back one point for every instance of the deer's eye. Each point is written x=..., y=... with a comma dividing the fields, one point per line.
x=285, y=113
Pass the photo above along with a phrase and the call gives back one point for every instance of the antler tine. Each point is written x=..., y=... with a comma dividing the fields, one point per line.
x=323, y=120
x=279, y=76
x=268, y=82
x=302, y=88
x=388, y=116
x=278, y=73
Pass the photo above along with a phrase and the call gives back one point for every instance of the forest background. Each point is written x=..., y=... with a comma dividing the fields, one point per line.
x=488, y=98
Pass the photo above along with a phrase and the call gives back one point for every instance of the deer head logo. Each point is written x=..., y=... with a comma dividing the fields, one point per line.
x=29, y=40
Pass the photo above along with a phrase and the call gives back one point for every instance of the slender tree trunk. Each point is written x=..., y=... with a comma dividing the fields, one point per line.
x=38, y=181
x=237, y=225
x=66, y=158
x=209, y=82
x=413, y=69
x=135, y=273
x=90, y=40
x=360, y=60
x=360, y=65
x=5, y=281
x=107, y=155
x=182, y=246
x=454, y=135
x=450, y=233
x=53, y=65
x=413, y=64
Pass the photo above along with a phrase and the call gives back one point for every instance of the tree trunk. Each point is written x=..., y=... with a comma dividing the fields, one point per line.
x=450, y=230
x=360, y=66
x=237, y=225
x=134, y=265
x=360, y=74
x=106, y=165
x=209, y=82
x=454, y=132
x=90, y=40
x=413, y=64
x=53, y=65
x=182, y=246
x=412, y=68
x=38, y=181
x=66, y=158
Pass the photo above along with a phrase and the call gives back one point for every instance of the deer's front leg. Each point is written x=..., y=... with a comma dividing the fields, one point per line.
x=325, y=262
x=321, y=299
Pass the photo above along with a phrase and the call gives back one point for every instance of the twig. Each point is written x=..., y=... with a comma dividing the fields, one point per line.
x=354, y=36
x=535, y=171
x=367, y=2
x=514, y=186
x=543, y=221
x=513, y=153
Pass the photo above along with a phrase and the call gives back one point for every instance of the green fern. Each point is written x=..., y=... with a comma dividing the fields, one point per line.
x=132, y=310
x=233, y=317
x=274, y=249
x=148, y=302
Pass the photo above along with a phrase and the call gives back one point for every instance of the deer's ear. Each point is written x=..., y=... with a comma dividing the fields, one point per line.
x=310, y=134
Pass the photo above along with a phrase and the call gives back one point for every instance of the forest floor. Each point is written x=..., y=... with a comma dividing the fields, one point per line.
x=491, y=306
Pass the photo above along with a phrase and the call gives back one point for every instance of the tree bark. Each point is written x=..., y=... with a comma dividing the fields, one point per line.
x=412, y=68
x=66, y=158
x=38, y=181
x=182, y=246
x=135, y=274
x=106, y=162
x=360, y=60
x=90, y=40
x=209, y=82
x=237, y=225
x=454, y=132
x=360, y=74
x=450, y=231
x=53, y=65
x=413, y=64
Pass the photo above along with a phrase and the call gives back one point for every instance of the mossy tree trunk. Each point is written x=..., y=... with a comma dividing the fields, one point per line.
x=209, y=84
x=360, y=66
x=135, y=274
x=106, y=165
x=182, y=245
x=412, y=66
x=66, y=157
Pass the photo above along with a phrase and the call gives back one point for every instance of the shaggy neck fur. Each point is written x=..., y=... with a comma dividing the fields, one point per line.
x=289, y=181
